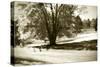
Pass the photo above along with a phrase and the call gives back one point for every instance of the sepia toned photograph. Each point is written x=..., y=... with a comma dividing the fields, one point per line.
x=52, y=33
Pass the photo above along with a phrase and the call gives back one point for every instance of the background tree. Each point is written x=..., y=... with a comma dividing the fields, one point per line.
x=79, y=24
x=94, y=24
x=88, y=23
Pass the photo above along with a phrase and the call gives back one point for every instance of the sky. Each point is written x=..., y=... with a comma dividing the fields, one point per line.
x=89, y=12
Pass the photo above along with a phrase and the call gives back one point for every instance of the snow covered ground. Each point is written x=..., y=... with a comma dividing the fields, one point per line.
x=53, y=56
x=79, y=38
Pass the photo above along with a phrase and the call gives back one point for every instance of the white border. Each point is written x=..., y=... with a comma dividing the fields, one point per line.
x=5, y=32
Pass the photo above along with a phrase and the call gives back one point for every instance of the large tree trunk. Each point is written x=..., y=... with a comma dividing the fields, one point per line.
x=52, y=43
x=52, y=40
